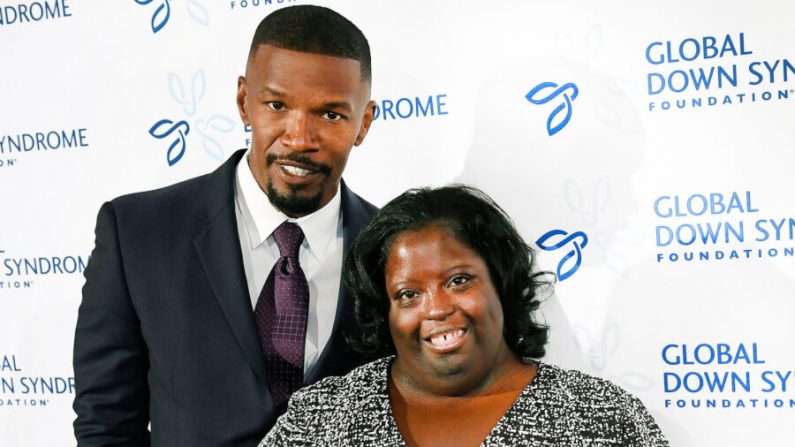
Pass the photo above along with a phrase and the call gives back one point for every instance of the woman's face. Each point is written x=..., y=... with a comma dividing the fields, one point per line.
x=445, y=316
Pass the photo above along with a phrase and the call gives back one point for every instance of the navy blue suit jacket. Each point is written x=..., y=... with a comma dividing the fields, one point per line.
x=165, y=331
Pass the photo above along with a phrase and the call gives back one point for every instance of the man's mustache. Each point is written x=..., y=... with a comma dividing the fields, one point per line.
x=300, y=159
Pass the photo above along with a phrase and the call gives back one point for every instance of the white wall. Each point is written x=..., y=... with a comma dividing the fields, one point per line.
x=97, y=69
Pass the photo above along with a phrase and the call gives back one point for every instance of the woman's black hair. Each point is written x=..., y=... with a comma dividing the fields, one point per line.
x=475, y=220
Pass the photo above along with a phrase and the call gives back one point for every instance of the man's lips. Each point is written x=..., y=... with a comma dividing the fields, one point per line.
x=444, y=340
x=296, y=167
x=296, y=170
x=301, y=162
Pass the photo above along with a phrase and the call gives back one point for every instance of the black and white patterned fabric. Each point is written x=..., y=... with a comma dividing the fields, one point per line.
x=558, y=408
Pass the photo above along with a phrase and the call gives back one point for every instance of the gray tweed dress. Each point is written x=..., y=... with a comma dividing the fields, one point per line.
x=557, y=408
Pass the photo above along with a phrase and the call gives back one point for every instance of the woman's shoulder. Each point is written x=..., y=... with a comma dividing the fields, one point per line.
x=591, y=402
x=316, y=413
x=583, y=387
x=362, y=381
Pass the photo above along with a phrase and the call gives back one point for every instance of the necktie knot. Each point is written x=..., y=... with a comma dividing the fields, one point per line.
x=288, y=238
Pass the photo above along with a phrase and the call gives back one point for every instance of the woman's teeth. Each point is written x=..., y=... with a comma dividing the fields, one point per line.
x=447, y=339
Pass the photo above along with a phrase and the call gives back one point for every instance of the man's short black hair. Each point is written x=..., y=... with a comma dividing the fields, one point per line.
x=475, y=220
x=313, y=29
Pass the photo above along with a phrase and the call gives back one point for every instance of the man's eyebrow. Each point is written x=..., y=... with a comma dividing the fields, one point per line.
x=272, y=91
x=339, y=105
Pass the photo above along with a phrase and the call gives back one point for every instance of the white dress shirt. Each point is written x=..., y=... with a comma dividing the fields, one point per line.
x=320, y=254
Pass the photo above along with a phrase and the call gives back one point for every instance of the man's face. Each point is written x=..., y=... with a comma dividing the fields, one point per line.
x=306, y=112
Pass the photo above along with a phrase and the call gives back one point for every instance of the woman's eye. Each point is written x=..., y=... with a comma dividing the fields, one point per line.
x=276, y=106
x=407, y=296
x=459, y=280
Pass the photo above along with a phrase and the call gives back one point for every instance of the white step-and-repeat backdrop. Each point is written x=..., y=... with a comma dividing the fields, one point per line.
x=645, y=148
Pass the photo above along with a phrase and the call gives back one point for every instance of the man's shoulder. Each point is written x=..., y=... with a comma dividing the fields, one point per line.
x=368, y=207
x=216, y=186
x=356, y=210
x=168, y=196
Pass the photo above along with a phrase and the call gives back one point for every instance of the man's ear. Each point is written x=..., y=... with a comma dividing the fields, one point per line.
x=367, y=119
x=241, y=100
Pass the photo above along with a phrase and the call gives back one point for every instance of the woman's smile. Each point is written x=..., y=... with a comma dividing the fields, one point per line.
x=446, y=340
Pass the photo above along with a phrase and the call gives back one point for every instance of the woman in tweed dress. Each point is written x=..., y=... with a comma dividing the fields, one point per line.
x=445, y=293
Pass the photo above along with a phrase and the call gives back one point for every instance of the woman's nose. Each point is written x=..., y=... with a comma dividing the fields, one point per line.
x=438, y=305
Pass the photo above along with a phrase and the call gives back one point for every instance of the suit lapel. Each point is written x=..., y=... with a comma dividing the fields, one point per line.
x=355, y=216
x=218, y=249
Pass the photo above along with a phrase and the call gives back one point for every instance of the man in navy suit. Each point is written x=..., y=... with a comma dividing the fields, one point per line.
x=166, y=333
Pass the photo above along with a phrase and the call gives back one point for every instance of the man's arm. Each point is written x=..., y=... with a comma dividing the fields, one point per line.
x=110, y=356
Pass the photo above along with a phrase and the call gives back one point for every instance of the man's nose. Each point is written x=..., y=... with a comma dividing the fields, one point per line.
x=438, y=305
x=298, y=132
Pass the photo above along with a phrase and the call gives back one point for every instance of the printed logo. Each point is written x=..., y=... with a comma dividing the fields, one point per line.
x=572, y=260
x=162, y=13
x=247, y=131
x=719, y=227
x=690, y=83
x=567, y=93
x=709, y=376
x=23, y=272
x=21, y=389
x=407, y=108
x=176, y=131
x=34, y=12
x=12, y=146
x=163, y=129
x=243, y=4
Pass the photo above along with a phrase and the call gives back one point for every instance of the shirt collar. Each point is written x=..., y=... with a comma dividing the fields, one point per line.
x=261, y=217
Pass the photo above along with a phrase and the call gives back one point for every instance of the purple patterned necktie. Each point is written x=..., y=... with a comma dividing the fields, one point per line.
x=281, y=314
